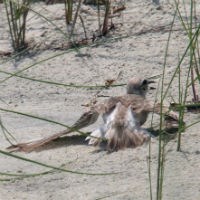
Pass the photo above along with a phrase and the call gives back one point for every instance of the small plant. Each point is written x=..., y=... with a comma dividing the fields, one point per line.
x=68, y=11
x=17, y=12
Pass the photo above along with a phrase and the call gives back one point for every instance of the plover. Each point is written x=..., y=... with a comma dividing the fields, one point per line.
x=123, y=117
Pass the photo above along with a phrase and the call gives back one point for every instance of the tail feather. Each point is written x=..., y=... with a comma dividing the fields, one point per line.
x=127, y=139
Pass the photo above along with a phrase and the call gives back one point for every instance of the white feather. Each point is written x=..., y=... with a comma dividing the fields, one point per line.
x=130, y=118
x=96, y=136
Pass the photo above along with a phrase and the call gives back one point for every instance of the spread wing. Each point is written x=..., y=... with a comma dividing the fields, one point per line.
x=158, y=109
x=85, y=120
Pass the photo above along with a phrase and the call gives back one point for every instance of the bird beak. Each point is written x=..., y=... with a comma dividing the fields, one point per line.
x=149, y=82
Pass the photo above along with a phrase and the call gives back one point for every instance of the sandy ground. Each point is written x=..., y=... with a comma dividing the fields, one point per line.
x=142, y=53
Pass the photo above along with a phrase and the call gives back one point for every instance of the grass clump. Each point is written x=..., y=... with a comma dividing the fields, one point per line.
x=16, y=12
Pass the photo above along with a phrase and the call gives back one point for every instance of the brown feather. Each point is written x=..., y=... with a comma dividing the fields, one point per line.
x=124, y=138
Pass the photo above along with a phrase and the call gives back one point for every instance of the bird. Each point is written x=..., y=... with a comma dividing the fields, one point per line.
x=123, y=117
x=121, y=129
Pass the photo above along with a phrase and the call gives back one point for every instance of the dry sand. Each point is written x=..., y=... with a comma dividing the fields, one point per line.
x=141, y=53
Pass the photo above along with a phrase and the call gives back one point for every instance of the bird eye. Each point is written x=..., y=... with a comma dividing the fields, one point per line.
x=145, y=82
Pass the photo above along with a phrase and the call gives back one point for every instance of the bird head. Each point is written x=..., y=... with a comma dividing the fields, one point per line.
x=138, y=86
